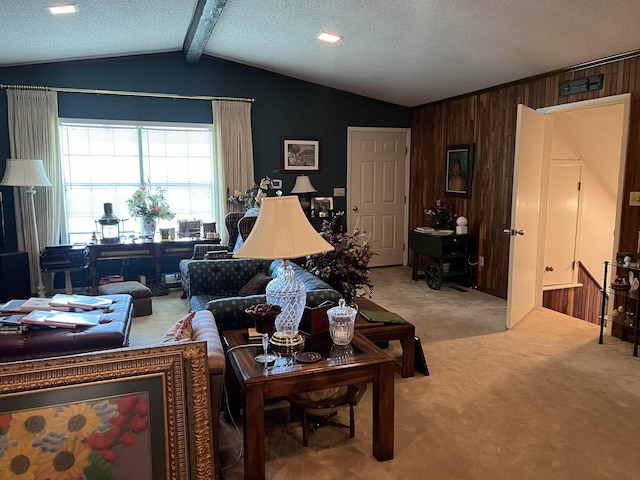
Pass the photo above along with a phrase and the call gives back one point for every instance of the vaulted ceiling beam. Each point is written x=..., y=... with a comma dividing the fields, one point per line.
x=204, y=19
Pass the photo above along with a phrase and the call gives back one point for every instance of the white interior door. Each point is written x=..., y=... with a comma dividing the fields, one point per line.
x=376, y=186
x=524, y=291
x=562, y=223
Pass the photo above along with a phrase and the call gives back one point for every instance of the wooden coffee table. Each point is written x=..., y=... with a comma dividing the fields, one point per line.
x=384, y=332
x=368, y=364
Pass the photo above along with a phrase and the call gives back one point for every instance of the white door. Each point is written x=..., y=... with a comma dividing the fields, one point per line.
x=376, y=186
x=524, y=290
x=562, y=223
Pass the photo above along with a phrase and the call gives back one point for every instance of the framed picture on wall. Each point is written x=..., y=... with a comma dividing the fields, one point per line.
x=300, y=155
x=458, y=170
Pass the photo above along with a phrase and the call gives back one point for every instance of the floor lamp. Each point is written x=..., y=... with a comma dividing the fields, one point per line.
x=29, y=174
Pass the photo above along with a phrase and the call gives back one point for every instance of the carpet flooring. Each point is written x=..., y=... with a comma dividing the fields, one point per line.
x=542, y=400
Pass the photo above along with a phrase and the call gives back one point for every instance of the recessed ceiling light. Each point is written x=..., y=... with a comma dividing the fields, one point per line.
x=327, y=37
x=62, y=9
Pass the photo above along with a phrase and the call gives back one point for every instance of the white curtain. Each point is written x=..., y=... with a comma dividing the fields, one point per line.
x=234, y=146
x=33, y=134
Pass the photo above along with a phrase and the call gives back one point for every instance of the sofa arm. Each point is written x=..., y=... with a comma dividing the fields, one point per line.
x=230, y=312
x=204, y=328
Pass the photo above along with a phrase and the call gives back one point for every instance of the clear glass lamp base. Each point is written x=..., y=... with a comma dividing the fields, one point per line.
x=288, y=292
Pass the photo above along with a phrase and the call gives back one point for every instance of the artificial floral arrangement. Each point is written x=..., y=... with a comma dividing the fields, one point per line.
x=149, y=204
x=441, y=213
x=253, y=196
x=346, y=267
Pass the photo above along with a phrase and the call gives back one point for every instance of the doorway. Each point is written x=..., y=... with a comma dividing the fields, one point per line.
x=587, y=128
x=377, y=182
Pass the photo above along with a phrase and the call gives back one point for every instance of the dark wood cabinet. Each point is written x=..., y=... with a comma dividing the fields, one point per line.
x=15, y=281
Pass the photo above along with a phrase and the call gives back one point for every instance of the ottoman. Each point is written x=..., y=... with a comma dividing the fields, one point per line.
x=112, y=332
x=141, y=295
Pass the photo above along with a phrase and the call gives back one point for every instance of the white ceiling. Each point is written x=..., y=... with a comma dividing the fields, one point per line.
x=406, y=52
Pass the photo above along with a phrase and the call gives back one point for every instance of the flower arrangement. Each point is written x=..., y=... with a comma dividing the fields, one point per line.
x=75, y=440
x=346, y=267
x=441, y=213
x=253, y=196
x=149, y=204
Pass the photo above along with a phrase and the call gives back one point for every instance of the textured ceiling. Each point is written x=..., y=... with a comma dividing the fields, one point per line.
x=407, y=52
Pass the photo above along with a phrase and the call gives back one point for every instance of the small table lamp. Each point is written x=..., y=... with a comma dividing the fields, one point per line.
x=302, y=188
x=30, y=174
x=283, y=231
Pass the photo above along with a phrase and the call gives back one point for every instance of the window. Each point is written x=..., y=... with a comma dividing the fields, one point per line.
x=106, y=163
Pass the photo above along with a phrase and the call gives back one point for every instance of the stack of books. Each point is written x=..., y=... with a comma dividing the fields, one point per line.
x=424, y=229
x=67, y=311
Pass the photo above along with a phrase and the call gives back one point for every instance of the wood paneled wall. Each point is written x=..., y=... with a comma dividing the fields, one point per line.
x=488, y=119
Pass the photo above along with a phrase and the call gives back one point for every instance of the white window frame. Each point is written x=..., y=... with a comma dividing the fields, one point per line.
x=117, y=192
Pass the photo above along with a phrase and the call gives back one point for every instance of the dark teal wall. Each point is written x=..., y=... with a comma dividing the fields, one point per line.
x=283, y=106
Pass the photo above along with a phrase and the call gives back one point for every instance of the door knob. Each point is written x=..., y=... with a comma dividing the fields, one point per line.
x=548, y=268
x=513, y=232
x=354, y=208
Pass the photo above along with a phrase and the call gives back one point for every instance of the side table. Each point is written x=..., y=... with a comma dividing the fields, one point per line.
x=449, y=253
x=368, y=364
x=383, y=332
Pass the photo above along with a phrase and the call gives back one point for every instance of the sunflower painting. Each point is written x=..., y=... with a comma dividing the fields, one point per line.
x=94, y=439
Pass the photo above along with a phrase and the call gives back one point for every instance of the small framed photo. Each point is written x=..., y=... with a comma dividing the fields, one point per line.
x=322, y=206
x=459, y=163
x=300, y=155
x=276, y=183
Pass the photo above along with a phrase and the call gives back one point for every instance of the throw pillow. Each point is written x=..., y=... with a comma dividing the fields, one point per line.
x=181, y=330
x=256, y=286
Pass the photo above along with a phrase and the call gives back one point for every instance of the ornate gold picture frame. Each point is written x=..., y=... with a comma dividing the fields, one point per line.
x=141, y=411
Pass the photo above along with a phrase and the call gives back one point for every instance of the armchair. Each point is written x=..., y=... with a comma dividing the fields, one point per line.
x=201, y=251
x=231, y=220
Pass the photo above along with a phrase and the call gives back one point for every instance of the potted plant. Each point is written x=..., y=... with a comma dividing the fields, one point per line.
x=149, y=206
x=345, y=268
x=441, y=214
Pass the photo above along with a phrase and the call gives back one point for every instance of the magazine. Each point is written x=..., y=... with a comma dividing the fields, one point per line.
x=38, y=303
x=85, y=302
x=62, y=319
x=12, y=319
x=12, y=306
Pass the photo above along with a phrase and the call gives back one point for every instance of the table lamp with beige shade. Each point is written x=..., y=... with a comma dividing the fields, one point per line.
x=282, y=231
x=303, y=188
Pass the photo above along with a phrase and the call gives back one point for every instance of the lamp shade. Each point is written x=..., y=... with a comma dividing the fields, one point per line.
x=282, y=231
x=25, y=173
x=303, y=185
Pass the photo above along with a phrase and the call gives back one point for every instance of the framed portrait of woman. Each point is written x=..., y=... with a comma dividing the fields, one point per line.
x=458, y=170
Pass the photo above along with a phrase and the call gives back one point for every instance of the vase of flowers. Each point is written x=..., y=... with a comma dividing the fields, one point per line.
x=150, y=205
x=441, y=214
x=345, y=268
